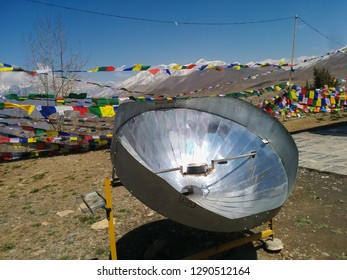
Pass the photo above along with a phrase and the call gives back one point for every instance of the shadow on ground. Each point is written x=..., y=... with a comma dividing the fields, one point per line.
x=337, y=129
x=165, y=239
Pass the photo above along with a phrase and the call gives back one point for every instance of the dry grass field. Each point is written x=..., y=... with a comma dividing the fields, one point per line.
x=40, y=216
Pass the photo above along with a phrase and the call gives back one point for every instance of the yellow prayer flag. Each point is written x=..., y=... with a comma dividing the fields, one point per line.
x=293, y=94
x=6, y=69
x=103, y=142
x=237, y=67
x=28, y=108
x=311, y=94
x=332, y=100
x=8, y=105
x=52, y=133
x=319, y=102
x=176, y=67
x=277, y=88
x=107, y=111
x=73, y=138
x=31, y=140
x=35, y=154
x=137, y=67
x=94, y=70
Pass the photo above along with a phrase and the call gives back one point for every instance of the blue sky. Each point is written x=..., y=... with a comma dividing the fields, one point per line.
x=114, y=41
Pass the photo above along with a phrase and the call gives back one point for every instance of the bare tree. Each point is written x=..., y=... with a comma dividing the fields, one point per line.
x=50, y=50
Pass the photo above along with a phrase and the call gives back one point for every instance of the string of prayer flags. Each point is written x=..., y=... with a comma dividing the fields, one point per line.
x=140, y=67
x=296, y=101
x=104, y=111
x=103, y=69
x=4, y=67
x=39, y=148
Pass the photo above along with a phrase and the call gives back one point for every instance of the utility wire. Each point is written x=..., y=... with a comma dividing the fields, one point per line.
x=234, y=23
x=327, y=37
x=180, y=22
x=155, y=20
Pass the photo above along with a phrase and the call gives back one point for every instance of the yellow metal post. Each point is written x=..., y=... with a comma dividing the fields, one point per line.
x=109, y=212
x=270, y=225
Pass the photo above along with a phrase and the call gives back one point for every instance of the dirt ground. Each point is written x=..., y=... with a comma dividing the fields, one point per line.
x=40, y=217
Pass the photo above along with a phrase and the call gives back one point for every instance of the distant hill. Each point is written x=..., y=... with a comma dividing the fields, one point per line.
x=335, y=62
x=185, y=81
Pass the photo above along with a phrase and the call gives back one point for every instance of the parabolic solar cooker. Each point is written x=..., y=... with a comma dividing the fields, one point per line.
x=213, y=163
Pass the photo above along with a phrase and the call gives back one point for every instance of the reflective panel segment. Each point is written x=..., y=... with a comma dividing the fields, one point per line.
x=180, y=137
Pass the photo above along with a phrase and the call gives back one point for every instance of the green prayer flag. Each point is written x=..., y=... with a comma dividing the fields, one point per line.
x=105, y=101
x=269, y=89
x=39, y=132
x=77, y=95
x=95, y=111
x=11, y=96
x=145, y=67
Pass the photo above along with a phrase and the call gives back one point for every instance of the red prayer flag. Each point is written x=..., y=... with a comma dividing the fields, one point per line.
x=110, y=68
x=28, y=128
x=154, y=71
x=82, y=110
x=4, y=140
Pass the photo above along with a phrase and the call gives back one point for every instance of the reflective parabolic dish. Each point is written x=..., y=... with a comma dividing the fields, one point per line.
x=218, y=164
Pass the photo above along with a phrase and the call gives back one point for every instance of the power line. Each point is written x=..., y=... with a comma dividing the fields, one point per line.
x=99, y=13
x=327, y=37
x=155, y=20
x=180, y=22
x=235, y=23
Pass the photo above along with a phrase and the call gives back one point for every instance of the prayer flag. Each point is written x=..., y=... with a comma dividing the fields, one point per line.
x=95, y=111
x=46, y=111
x=154, y=71
x=81, y=109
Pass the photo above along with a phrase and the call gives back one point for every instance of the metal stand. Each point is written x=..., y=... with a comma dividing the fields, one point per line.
x=109, y=215
x=273, y=244
x=94, y=201
x=242, y=241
